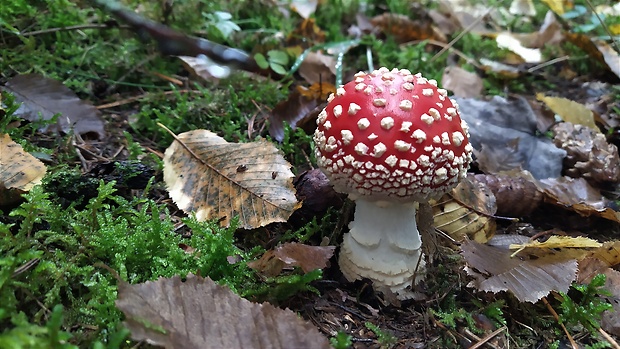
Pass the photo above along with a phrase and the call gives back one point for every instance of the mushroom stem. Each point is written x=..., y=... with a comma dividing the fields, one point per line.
x=383, y=245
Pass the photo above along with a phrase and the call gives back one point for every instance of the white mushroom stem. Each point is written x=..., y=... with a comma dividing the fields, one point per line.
x=383, y=245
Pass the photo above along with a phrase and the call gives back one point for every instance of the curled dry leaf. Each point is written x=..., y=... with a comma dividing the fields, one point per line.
x=515, y=196
x=42, y=98
x=466, y=212
x=293, y=254
x=579, y=196
x=220, y=180
x=588, y=153
x=404, y=29
x=301, y=108
x=317, y=67
x=462, y=82
x=597, y=50
x=528, y=276
x=198, y=313
x=19, y=171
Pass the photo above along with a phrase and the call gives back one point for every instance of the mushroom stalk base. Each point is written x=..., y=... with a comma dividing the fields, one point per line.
x=383, y=245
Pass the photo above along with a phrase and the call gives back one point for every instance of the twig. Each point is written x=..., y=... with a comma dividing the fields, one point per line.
x=452, y=49
x=488, y=337
x=557, y=318
x=548, y=63
x=608, y=338
x=603, y=24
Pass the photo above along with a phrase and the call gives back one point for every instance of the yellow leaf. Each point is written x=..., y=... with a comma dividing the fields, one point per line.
x=570, y=111
x=556, y=6
x=219, y=180
x=19, y=171
x=559, y=242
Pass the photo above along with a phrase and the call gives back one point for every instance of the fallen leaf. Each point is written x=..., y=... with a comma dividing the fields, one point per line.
x=304, y=8
x=42, y=98
x=569, y=111
x=198, y=313
x=557, y=6
x=528, y=276
x=219, y=180
x=293, y=254
x=556, y=241
x=466, y=212
x=515, y=195
x=492, y=125
x=301, y=108
x=510, y=42
x=462, y=82
x=19, y=171
x=597, y=50
x=522, y=8
x=307, y=257
x=579, y=196
x=405, y=29
x=317, y=67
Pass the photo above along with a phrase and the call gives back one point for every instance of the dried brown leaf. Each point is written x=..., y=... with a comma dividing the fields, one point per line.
x=462, y=82
x=579, y=196
x=301, y=108
x=42, y=98
x=405, y=29
x=515, y=195
x=197, y=313
x=528, y=276
x=317, y=67
x=19, y=171
x=220, y=180
x=293, y=254
x=307, y=257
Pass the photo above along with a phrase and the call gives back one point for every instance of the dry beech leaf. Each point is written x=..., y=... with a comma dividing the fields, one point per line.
x=404, y=29
x=515, y=195
x=304, y=8
x=556, y=241
x=19, y=171
x=529, y=276
x=301, y=108
x=42, y=98
x=293, y=254
x=569, y=111
x=597, y=50
x=318, y=67
x=557, y=6
x=466, y=212
x=462, y=82
x=578, y=195
x=221, y=180
x=197, y=313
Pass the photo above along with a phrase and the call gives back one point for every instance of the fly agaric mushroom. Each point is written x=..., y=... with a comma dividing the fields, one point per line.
x=390, y=139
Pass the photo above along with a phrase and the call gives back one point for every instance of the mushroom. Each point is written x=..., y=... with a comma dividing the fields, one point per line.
x=390, y=139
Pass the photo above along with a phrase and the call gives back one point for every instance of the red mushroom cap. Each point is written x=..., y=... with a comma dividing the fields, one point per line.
x=392, y=135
